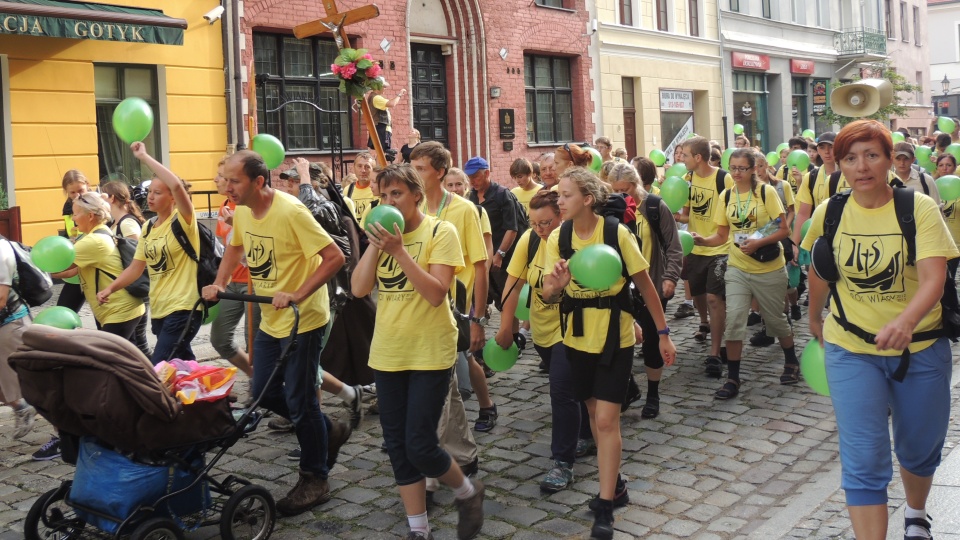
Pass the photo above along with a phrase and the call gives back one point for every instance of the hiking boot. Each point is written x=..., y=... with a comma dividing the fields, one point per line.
x=586, y=447
x=558, y=478
x=310, y=491
x=470, y=513
x=753, y=318
x=761, y=339
x=603, y=522
x=337, y=435
x=281, y=424
x=685, y=310
x=486, y=419
x=356, y=408
x=713, y=367
x=24, y=420
x=620, y=496
x=50, y=450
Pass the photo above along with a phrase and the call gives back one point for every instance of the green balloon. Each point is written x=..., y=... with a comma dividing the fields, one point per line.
x=523, y=310
x=923, y=152
x=799, y=159
x=809, y=134
x=58, y=317
x=677, y=169
x=953, y=150
x=270, y=148
x=597, y=162
x=212, y=314
x=499, y=359
x=597, y=267
x=897, y=137
x=658, y=157
x=928, y=165
x=773, y=158
x=53, y=254
x=75, y=280
x=675, y=192
x=686, y=242
x=692, y=135
x=804, y=228
x=385, y=215
x=946, y=124
x=782, y=146
x=725, y=159
x=132, y=120
x=949, y=187
x=738, y=129
x=813, y=366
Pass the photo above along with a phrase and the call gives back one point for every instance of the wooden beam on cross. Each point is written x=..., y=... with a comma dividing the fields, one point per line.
x=336, y=23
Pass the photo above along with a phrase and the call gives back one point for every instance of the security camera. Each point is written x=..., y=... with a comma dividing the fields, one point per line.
x=213, y=15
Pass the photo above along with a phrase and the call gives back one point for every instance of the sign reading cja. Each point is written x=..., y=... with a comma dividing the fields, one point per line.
x=56, y=27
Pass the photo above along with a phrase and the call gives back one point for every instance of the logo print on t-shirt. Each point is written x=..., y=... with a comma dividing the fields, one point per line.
x=261, y=257
x=873, y=263
x=950, y=211
x=392, y=278
x=748, y=221
x=700, y=199
x=159, y=260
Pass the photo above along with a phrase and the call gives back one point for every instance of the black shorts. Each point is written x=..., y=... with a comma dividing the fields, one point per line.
x=606, y=383
x=705, y=274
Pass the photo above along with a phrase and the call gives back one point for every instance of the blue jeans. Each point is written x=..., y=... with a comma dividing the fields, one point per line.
x=411, y=403
x=565, y=409
x=863, y=391
x=168, y=330
x=293, y=393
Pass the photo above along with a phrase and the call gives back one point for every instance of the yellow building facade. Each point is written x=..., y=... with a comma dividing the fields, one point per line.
x=659, y=73
x=64, y=67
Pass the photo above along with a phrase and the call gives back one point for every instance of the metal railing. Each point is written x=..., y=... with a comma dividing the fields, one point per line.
x=860, y=41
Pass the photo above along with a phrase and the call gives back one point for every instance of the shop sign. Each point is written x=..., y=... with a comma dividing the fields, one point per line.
x=820, y=90
x=682, y=135
x=676, y=101
x=751, y=61
x=802, y=66
x=31, y=25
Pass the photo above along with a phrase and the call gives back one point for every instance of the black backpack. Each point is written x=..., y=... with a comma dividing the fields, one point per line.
x=721, y=175
x=32, y=285
x=140, y=288
x=523, y=220
x=208, y=260
x=903, y=202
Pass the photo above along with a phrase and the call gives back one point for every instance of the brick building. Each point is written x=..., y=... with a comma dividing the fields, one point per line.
x=473, y=69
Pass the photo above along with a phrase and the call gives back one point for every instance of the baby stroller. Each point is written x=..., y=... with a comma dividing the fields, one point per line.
x=142, y=471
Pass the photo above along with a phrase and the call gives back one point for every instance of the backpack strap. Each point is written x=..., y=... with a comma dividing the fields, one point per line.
x=923, y=182
x=834, y=182
x=903, y=202
x=812, y=182
x=565, y=241
x=148, y=226
x=721, y=175
x=652, y=205
x=184, y=242
x=533, y=245
x=611, y=230
x=350, y=189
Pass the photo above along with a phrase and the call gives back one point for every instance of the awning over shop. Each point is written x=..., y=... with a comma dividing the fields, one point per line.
x=84, y=20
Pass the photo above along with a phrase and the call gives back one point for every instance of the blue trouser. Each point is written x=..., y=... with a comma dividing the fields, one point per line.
x=411, y=403
x=293, y=393
x=863, y=391
x=168, y=330
x=569, y=415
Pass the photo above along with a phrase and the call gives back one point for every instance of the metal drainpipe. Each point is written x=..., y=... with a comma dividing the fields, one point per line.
x=723, y=86
x=226, y=30
x=237, y=78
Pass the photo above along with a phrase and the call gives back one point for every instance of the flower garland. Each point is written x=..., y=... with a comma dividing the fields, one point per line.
x=357, y=71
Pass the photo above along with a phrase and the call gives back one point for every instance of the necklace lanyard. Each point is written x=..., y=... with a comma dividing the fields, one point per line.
x=740, y=213
x=443, y=202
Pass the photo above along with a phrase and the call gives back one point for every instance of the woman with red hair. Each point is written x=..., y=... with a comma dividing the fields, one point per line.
x=570, y=155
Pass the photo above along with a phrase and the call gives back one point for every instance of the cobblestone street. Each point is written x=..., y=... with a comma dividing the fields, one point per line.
x=762, y=465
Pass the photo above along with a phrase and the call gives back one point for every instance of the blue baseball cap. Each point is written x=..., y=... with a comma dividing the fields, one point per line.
x=475, y=164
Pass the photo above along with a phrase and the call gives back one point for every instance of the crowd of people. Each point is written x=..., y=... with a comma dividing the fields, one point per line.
x=467, y=242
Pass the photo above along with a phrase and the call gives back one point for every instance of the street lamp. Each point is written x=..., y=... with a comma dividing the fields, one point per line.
x=945, y=84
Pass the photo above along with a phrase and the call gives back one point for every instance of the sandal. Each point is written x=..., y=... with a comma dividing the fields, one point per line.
x=651, y=409
x=701, y=334
x=730, y=389
x=714, y=367
x=791, y=374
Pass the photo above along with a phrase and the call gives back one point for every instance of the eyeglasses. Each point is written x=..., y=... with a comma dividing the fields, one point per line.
x=740, y=169
x=541, y=224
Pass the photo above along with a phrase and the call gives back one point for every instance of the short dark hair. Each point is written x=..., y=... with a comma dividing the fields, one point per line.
x=253, y=165
x=698, y=146
x=520, y=167
x=944, y=140
x=797, y=141
x=439, y=156
x=646, y=169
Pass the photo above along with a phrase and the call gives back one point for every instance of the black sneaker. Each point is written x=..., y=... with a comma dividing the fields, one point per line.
x=620, y=497
x=602, y=522
x=753, y=318
x=795, y=313
x=294, y=455
x=685, y=310
x=50, y=450
x=713, y=367
x=761, y=339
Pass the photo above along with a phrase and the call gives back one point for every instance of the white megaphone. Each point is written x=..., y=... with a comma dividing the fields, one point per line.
x=861, y=98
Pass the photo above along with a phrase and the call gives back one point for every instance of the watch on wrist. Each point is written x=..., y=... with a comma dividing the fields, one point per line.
x=501, y=253
x=664, y=332
x=481, y=320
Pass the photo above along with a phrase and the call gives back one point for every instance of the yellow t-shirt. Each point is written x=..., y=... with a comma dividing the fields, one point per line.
x=596, y=321
x=173, y=275
x=465, y=218
x=282, y=251
x=380, y=102
x=485, y=227
x=363, y=199
x=544, y=318
x=654, y=190
x=524, y=196
x=743, y=215
x=96, y=250
x=951, y=214
x=411, y=334
x=703, y=192
x=875, y=283
x=351, y=205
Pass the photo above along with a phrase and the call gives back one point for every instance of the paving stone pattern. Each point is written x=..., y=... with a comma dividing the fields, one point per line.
x=764, y=464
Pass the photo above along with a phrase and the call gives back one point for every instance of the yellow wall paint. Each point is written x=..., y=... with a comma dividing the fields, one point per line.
x=53, y=107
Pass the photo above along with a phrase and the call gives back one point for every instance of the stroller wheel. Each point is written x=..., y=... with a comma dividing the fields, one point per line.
x=51, y=517
x=249, y=514
x=157, y=529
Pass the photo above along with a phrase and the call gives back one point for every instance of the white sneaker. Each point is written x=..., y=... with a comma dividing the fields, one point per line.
x=25, y=421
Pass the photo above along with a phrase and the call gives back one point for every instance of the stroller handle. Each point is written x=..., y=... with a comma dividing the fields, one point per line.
x=245, y=298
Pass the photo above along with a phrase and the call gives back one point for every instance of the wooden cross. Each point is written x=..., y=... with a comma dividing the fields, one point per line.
x=335, y=22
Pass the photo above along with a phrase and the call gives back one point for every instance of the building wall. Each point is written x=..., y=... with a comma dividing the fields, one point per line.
x=475, y=31
x=911, y=58
x=943, y=44
x=53, y=108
